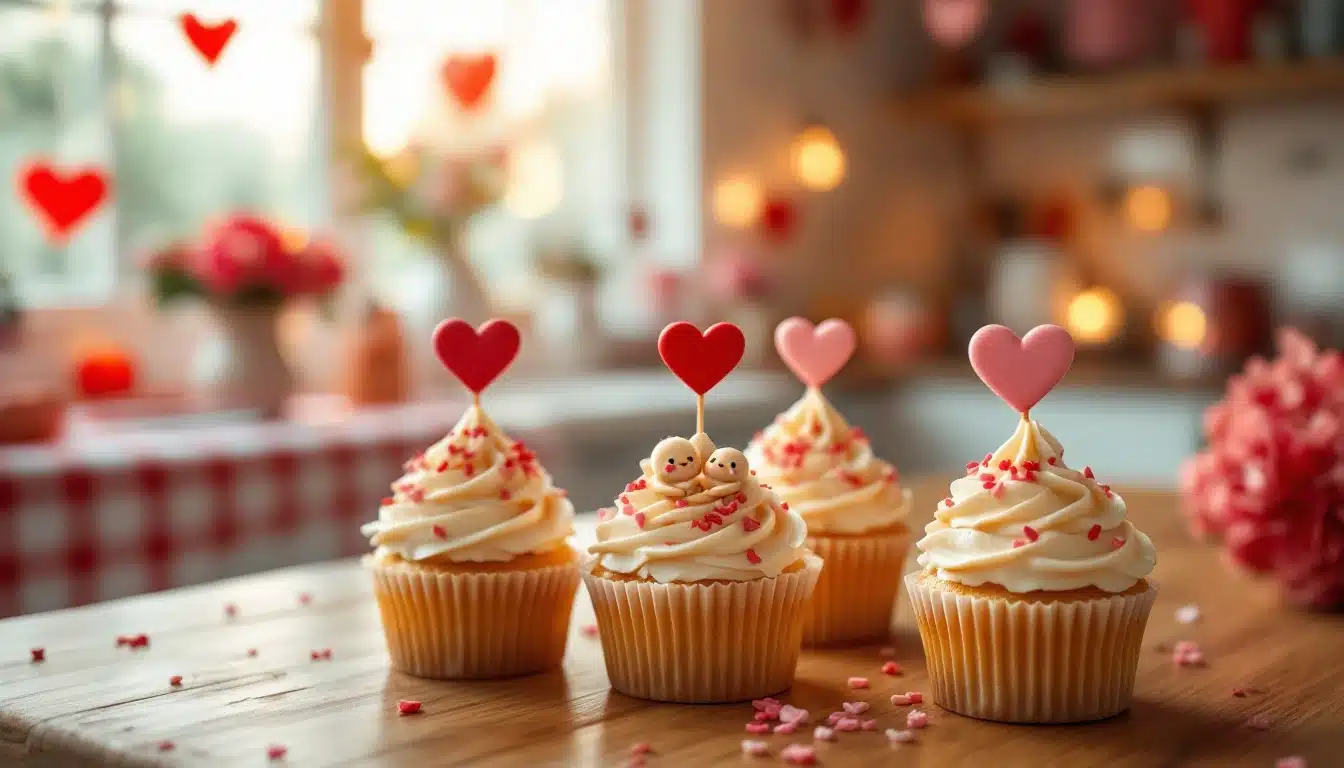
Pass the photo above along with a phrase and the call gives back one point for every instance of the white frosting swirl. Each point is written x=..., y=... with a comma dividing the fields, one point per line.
x=1023, y=520
x=731, y=531
x=474, y=496
x=826, y=470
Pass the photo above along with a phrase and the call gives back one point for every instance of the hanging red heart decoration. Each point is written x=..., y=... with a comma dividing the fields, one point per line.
x=476, y=356
x=779, y=217
x=63, y=200
x=701, y=360
x=468, y=77
x=208, y=39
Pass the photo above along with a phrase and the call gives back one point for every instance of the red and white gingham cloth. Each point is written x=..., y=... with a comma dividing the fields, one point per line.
x=104, y=516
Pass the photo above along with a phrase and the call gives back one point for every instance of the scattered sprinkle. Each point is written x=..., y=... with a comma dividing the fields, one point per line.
x=1087, y=472
x=892, y=668
x=786, y=728
x=175, y=681
x=758, y=727
x=847, y=724
x=755, y=748
x=1187, y=614
x=750, y=524
x=505, y=494
x=764, y=704
x=798, y=754
x=251, y=652
x=901, y=700
x=1030, y=533
x=985, y=462
x=900, y=737
x=917, y=719
x=833, y=718
x=439, y=532
x=1240, y=693
x=39, y=655
x=387, y=501
x=822, y=733
x=855, y=707
x=640, y=519
x=752, y=557
x=416, y=495
x=1094, y=532
x=858, y=682
x=230, y=610
x=1052, y=460
x=408, y=707
x=1260, y=722
x=915, y=697
x=1293, y=761
x=304, y=599
x=868, y=725
x=1019, y=543
x=791, y=714
x=322, y=655
x=947, y=502
x=640, y=748
x=277, y=751
x=1117, y=543
x=166, y=746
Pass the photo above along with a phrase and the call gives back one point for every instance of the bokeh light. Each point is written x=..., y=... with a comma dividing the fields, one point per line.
x=1148, y=208
x=738, y=201
x=1094, y=316
x=818, y=160
x=1182, y=324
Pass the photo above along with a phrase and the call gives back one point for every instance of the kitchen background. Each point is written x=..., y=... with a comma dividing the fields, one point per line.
x=1162, y=178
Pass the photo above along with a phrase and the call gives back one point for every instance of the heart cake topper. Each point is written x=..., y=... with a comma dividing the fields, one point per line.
x=1021, y=371
x=208, y=39
x=476, y=356
x=468, y=78
x=701, y=360
x=63, y=200
x=814, y=354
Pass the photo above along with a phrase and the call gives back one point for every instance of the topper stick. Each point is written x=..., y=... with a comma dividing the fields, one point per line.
x=699, y=414
x=476, y=399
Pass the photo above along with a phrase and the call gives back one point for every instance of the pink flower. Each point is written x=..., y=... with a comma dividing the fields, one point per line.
x=1271, y=481
x=322, y=267
x=241, y=251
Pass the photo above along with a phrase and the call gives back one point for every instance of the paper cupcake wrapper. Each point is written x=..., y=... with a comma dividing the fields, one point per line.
x=856, y=593
x=1031, y=662
x=449, y=625
x=702, y=643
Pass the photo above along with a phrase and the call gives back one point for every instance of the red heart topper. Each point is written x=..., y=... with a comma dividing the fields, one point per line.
x=469, y=77
x=476, y=356
x=63, y=199
x=701, y=360
x=208, y=40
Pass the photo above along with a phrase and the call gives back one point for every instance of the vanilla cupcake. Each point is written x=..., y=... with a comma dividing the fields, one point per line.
x=472, y=573
x=1034, y=592
x=700, y=580
x=855, y=510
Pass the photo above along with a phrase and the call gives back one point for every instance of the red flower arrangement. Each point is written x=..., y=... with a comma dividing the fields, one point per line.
x=245, y=261
x=1271, y=482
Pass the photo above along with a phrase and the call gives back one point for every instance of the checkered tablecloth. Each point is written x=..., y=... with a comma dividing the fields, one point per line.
x=100, y=516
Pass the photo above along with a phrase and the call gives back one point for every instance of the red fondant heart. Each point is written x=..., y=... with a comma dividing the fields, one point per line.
x=476, y=356
x=208, y=39
x=469, y=77
x=63, y=200
x=701, y=360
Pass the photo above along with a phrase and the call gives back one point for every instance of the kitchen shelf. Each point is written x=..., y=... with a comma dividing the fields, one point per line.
x=1102, y=95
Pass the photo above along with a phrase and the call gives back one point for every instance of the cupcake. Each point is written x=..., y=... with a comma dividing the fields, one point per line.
x=472, y=571
x=1034, y=591
x=855, y=509
x=699, y=577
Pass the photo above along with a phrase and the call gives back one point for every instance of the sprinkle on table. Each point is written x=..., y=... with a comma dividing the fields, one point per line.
x=1259, y=722
x=305, y=598
x=786, y=729
x=755, y=748
x=847, y=724
x=857, y=682
x=230, y=610
x=175, y=681
x=276, y=752
x=166, y=746
x=917, y=719
x=251, y=653
x=588, y=630
x=799, y=754
x=1292, y=761
x=791, y=714
x=1187, y=614
x=900, y=736
x=855, y=707
x=640, y=748
x=822, y=733
x=892, y=668
x=39, y=655
x=757, y=728
x=408, y=707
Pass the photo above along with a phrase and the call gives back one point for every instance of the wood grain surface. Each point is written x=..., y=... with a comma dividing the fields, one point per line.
x=92, y=703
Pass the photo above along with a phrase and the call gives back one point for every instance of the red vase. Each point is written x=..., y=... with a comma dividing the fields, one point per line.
x=1226, y=25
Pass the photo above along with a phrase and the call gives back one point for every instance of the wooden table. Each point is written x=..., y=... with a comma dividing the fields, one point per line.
x=92, y=703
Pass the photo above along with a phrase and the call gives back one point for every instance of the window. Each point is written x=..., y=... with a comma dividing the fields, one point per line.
x=117, y=86
x=552, y=106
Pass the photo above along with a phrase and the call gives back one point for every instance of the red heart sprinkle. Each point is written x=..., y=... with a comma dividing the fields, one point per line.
x=750, y=524
x=175, y=681
x=166, y=746
x=276, y=751
x=701, y=360
x=440, y=532
x=408, y=707
x=208, y=40
x=39, y=655
x=752, y=557
x=476, y=356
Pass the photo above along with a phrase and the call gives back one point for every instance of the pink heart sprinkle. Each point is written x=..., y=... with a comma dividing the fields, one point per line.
x=822, y=733
x=847, y=724
x=762, y=704
x=758, y=728
x=1021, y=371
x=900, y=737
x=814, y=354
x=750, y=524
x=855, y=707
x=798, y=754
x=755, y=748
x=791, y=714
x=786, y=728
x=868, y=725
x=916, y=720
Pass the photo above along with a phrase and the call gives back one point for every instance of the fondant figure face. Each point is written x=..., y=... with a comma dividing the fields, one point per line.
x=675, y=460
x=727, y=465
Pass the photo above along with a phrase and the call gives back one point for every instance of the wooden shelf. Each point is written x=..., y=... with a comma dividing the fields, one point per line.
x=1080, y=96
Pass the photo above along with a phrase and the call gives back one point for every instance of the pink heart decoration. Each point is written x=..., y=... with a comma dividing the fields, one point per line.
x=814, y=354
x=1021, y=371
x=476, y=356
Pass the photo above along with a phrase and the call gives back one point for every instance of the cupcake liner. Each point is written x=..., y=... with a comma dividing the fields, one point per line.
x=444, y=624
x=856, y=593
x=702, y=643
x=1026, y=661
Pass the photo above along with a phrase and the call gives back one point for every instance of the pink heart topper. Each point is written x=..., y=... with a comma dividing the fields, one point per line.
x=1021, y=371
x=814, y=354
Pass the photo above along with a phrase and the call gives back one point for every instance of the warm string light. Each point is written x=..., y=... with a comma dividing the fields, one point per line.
x=1182, y=324
x=1148, y=208
x=738, y=201
x=818, y=160
x=1094, y=316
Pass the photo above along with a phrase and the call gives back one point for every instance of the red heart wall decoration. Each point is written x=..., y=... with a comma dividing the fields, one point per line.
x=63, y=200
x=701, y=360
x=469, y=78
x=476, y=356
x=208, y=40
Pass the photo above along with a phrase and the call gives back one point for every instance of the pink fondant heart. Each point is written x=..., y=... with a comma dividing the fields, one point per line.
x=1021, y=371
x=814, y=354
